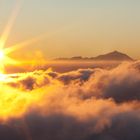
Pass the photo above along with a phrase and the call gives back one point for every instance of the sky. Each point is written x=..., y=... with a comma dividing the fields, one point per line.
x=73, y=27
x=61, y=100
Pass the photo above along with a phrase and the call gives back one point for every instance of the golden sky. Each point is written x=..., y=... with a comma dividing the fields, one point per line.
x=69, y=28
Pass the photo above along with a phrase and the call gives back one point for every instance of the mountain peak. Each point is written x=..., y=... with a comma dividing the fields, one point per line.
x=115, y=52
x=115, y=55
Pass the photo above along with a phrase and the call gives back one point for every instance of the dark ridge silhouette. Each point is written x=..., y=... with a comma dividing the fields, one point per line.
x=112, y=56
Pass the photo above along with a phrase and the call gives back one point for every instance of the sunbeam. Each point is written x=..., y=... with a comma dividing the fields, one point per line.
x=5, y=51
x=10, y=23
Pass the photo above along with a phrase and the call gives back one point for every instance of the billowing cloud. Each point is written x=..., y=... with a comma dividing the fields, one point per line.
x=85, y=104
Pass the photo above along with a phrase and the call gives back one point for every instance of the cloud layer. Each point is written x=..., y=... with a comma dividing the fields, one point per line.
x=85, y=104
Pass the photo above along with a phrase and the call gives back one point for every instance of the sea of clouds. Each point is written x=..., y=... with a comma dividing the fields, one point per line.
x=85, y=104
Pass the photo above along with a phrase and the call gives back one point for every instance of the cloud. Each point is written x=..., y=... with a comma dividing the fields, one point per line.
x=120, y=84
x=81, y=74
x=85, y=104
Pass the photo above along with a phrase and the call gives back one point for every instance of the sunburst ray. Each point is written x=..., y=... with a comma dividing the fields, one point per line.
x=10, y=23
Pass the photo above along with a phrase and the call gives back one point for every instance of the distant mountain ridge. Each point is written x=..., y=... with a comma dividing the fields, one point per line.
x=115, y=55
x=112, y=56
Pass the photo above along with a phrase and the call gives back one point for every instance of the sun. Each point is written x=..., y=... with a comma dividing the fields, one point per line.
x=2, y=55
x=5, y=50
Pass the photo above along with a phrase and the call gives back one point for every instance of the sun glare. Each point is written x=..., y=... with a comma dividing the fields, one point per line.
x=1, y=55
x=5, y=59
x=5, y=51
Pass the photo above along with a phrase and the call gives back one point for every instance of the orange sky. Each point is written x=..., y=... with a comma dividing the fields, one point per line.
x=71, y=28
